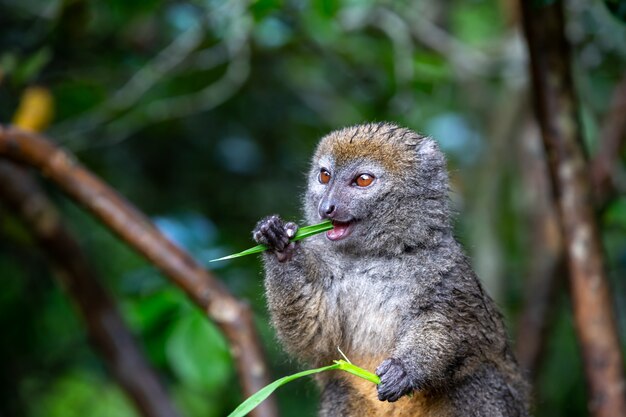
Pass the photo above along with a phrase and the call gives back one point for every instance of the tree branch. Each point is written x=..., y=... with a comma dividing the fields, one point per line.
x=548, y=265
x=232, y=316
x=105, y=325
x=555, y=107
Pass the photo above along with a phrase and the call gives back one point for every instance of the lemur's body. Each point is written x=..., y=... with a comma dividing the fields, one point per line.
x=389, y=285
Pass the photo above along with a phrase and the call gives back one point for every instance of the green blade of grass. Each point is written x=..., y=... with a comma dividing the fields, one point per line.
x=355, y=370
x=302, y=233
x=258, y=397
x=311, y=230
x=256, y=249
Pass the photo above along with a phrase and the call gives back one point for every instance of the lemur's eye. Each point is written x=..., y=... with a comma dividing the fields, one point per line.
x=324, y=176
x=364, y=180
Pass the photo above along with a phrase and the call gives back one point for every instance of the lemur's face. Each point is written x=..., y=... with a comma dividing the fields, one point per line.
x=366, y=179
x=346, y=193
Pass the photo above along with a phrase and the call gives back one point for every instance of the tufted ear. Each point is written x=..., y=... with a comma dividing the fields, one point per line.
x=429, y=154
x=431, y=163
x=428, y=148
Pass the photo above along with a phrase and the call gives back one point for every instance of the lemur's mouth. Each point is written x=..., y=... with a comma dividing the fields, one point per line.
x=340, y=230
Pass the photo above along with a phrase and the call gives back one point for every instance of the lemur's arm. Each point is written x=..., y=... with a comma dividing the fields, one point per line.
x=441, y=339
x=294, y=285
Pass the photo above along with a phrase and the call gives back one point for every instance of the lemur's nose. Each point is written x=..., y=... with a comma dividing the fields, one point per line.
x=327, y=210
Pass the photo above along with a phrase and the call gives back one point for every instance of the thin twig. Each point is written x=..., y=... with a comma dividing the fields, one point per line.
x=175, y=107
x=104, y=323
x=232, y=316
x=133, y=90
x=395, y=28
x=126, y=111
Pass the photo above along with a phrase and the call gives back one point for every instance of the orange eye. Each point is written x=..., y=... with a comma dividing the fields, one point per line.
x=324, y=176
x=364, y=180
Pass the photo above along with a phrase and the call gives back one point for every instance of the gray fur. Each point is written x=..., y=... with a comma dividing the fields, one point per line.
x=398, y=290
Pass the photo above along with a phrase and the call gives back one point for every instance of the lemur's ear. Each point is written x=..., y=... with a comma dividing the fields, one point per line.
x=432, y=162
x=428, y=148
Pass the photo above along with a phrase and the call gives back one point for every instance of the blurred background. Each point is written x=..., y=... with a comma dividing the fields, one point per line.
x=204, y=114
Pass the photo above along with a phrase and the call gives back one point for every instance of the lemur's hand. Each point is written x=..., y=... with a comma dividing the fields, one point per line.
x=273, y=232
x=394, y=380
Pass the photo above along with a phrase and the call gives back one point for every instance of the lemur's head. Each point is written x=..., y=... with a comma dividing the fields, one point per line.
x=384, y=187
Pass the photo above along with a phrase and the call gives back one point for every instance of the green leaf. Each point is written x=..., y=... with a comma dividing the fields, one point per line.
x=258, y=397
x=302, y=233
x=78, y=393
x=198, y=354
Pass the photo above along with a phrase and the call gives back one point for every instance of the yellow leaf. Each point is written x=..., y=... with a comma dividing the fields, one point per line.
x=35, y=110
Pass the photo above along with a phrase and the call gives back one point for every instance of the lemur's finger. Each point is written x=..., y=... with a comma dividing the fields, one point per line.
x=287, y=253
x=277, y=228
x=291, y=228
x=275, y=237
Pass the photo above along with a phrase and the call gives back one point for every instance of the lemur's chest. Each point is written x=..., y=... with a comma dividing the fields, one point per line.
x=369, y=302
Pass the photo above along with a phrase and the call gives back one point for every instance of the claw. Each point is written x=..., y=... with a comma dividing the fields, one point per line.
x=394, y=380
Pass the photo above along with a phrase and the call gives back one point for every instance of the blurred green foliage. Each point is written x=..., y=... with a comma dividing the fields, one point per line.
x=204, y=114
